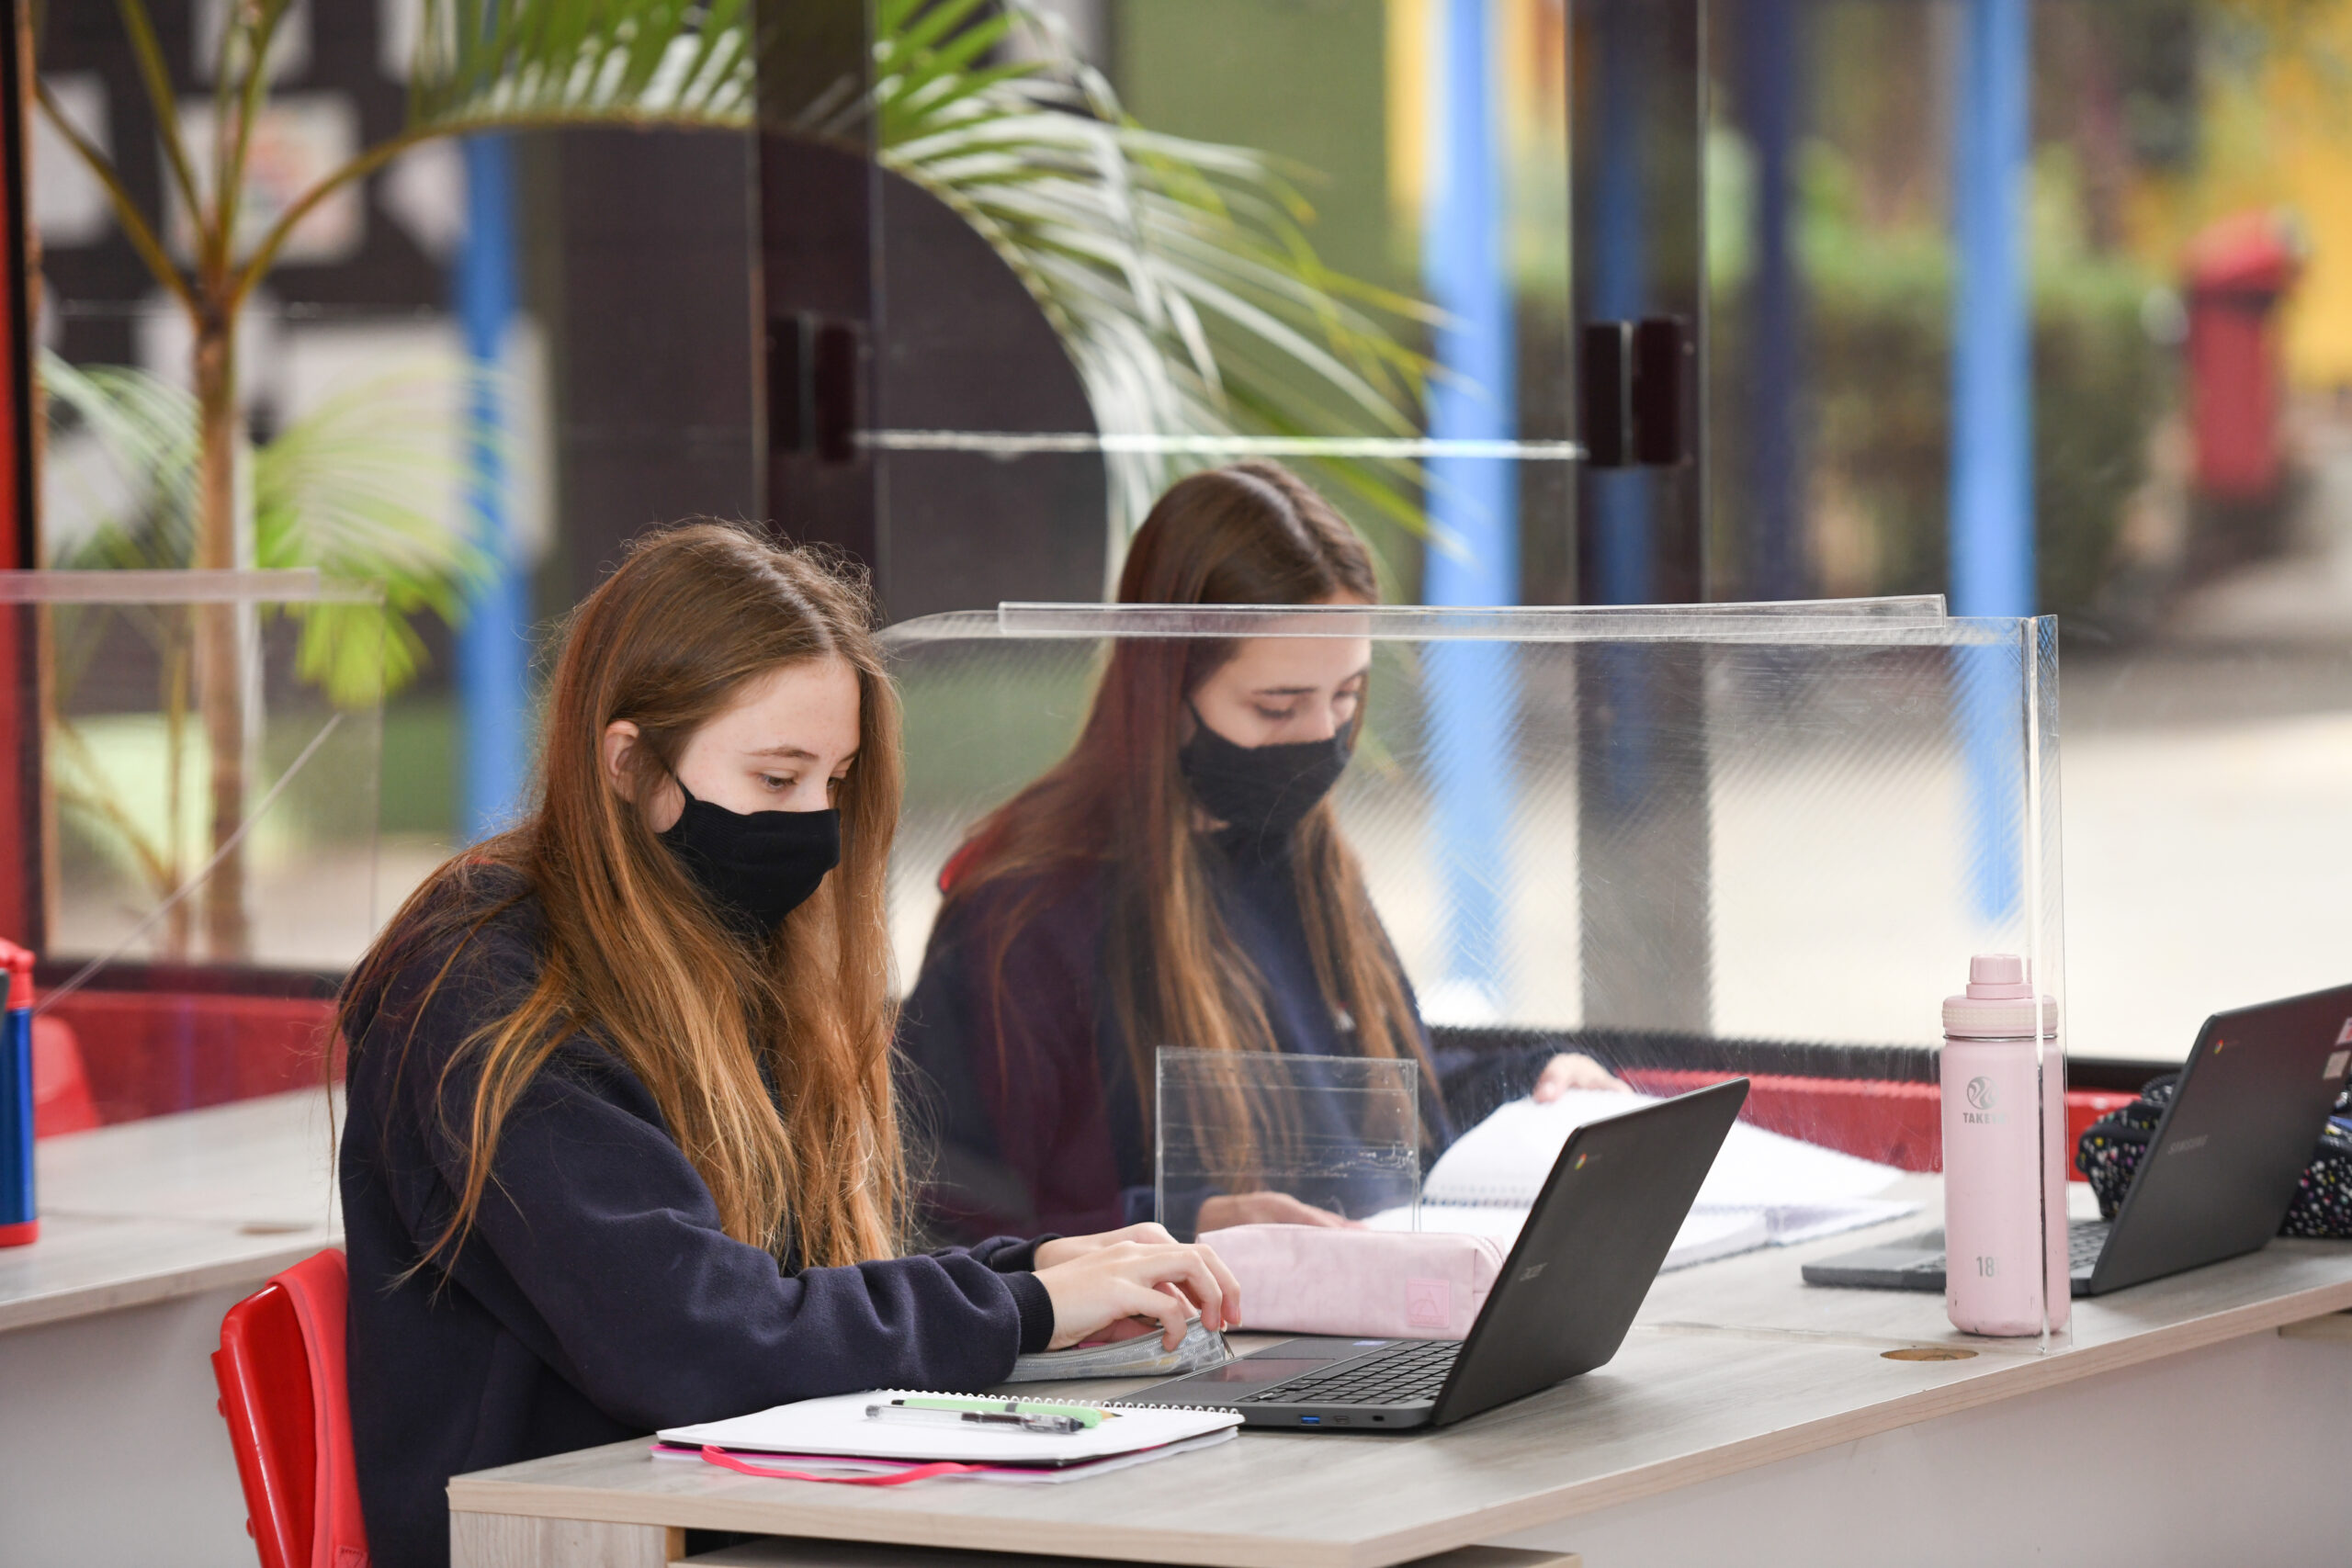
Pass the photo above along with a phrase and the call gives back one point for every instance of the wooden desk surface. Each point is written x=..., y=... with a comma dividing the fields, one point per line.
x=1735, y=1364
x=172, y=1206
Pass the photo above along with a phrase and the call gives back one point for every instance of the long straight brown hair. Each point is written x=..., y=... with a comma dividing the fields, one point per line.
x=634, y=955
x=1250, y=533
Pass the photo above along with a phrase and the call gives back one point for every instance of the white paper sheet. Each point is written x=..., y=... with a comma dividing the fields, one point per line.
x=1706, y=1234
x=1503, y=1160
x=1765, y=1189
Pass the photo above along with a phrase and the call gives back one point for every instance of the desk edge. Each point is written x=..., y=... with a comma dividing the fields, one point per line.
x=2026, y=1375
x=195, y=1279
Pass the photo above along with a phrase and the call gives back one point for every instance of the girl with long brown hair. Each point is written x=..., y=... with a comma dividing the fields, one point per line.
x=621, y=1150
x=1179, y=878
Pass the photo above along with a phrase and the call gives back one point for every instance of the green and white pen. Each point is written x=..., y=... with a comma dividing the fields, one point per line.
x=940, y=1414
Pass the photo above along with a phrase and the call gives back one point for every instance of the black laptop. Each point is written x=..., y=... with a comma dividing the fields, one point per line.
x=1566, y=1294
x=2219, y=1173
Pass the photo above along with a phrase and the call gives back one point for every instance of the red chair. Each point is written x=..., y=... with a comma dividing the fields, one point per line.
x=280, y=1370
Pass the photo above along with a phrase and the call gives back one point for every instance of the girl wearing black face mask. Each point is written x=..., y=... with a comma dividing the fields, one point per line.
x=1179, y=878
x=622, y=1151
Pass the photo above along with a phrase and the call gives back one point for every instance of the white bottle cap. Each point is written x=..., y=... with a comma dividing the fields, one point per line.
x=1999, y=1003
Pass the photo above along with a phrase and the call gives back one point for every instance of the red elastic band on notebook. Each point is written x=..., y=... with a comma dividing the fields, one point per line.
x=725, y=1461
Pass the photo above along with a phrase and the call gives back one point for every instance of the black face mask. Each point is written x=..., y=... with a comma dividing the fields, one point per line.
x=758, y=868
x=1261, y=792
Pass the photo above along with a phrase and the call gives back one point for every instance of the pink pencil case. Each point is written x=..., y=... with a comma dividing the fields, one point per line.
x=1359, y=1284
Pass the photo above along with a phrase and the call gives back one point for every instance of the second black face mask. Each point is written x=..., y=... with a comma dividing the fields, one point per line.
x=757, y=867
x=1261, y=792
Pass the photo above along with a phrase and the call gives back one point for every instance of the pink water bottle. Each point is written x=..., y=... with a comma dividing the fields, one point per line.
x=2005, y=1166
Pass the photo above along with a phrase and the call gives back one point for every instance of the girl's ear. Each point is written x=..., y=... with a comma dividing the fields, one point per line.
x=619, y=745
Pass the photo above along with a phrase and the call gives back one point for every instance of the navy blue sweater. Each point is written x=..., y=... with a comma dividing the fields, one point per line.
x=598, y=1297
x=1020, y=1096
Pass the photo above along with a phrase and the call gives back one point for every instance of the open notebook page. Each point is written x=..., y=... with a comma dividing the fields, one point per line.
x=1503, y=1160
x=1764, y=1188
x=1706, y=1234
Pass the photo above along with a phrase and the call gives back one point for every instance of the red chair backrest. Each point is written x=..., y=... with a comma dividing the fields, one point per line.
x=281, y=1375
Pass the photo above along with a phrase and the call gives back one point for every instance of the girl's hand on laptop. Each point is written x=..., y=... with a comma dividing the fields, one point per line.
x=1572, y=1069
x=1096, y=1281
x=1229, y=1209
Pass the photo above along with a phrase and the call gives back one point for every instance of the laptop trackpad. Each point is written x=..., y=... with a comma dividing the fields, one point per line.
x=1291, y=1358
x=1256, y=1370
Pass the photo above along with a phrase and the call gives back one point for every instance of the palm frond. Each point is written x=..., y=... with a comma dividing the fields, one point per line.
x=1177, y=273
x=484, y=63
x=147, y=430
x=344, y=488
x=339, y=489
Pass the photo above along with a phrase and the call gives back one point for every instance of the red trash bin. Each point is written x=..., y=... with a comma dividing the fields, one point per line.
x=2238, y=271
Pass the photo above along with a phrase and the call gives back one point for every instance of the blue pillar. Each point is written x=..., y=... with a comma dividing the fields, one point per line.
x=1474, y=503
x=1992, y=418
x=1623, y=552
x=492, y=646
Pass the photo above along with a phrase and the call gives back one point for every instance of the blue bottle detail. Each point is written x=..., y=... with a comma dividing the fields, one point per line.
x=19, y=1218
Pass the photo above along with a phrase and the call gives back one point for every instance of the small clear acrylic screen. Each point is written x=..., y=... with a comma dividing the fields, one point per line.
x=1244, y=1137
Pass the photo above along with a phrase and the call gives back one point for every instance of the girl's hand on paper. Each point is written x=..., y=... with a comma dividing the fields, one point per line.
x=1571, y=1069
x=1227, y=1209
x=1137, y=1272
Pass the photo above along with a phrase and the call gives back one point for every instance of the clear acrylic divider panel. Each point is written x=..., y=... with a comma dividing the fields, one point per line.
x=1255, y=1137
x=199, y=754
x=1687, y=843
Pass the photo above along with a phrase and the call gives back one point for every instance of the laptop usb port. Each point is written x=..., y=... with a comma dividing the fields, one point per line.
x=1310, y=1420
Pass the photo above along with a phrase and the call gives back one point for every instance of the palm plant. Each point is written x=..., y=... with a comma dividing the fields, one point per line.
x=346, y=489
x=1177, y=272
x=477, y=67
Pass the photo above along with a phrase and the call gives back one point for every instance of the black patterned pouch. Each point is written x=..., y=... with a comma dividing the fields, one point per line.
x=2108, y=1154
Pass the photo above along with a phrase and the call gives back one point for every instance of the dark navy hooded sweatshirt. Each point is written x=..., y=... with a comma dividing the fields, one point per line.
x=596, y=1297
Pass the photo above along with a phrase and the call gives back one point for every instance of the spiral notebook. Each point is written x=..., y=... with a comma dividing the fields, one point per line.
x=839, y=1427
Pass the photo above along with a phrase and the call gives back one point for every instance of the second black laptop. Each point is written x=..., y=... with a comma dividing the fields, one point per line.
x=2219, y=1173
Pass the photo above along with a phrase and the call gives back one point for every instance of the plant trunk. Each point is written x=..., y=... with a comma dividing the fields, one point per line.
x=179, y=925
x=221, y=656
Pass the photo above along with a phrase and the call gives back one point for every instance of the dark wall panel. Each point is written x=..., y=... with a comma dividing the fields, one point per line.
x=645, y=281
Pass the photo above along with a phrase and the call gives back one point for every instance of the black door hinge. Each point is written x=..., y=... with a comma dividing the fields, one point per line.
x=1632, y=380
x=816, y=376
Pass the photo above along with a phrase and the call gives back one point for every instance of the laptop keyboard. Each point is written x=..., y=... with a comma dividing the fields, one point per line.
x=2083, y=1244
x=2086, y=1239
x=1407, y=1370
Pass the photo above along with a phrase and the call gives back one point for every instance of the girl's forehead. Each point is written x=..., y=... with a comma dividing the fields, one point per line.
x=1297, y=660
x=809, y=706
